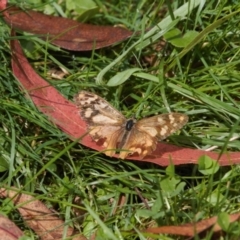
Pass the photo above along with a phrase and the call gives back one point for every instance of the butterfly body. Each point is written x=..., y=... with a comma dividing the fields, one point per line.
x=130, y=123
x=126, y=135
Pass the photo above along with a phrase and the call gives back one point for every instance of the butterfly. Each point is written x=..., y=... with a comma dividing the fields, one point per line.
x=127, y=136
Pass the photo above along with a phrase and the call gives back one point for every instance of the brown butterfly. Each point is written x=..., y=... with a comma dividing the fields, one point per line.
x=128, y=136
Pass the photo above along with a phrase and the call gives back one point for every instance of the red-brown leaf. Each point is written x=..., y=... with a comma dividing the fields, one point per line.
x=167, y=153
x=193, y=229
x=8, y=229
x=43, y=221
x=64, y=32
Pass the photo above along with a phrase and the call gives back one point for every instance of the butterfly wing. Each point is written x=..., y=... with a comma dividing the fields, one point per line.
x=103, y=120
x=163, y=125
x=107, y=124
x=147, y=132
x=137, y=141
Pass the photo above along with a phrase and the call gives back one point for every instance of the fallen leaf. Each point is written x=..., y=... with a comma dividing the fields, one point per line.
x=44, y=222
x=193, y=229
x=57, y=73
x=8, y=229
x=64, y=32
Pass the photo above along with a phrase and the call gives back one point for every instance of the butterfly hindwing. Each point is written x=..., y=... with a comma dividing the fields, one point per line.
x=138, y=142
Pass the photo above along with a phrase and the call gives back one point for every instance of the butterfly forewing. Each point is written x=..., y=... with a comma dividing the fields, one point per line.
x=97, y=111
x=161, y=126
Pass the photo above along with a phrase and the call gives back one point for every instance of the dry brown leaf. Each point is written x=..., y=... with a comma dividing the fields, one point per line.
x=193, y=229
x=64, y=32
x=8, y=230
x=44, y=222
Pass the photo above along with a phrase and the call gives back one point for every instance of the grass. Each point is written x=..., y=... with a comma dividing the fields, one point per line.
x=201, y=80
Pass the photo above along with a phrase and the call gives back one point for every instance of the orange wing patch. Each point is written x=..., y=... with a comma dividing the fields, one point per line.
x=125, y=135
